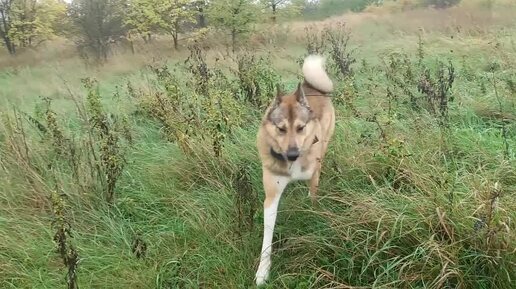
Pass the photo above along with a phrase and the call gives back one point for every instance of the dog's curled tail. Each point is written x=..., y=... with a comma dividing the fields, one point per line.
x=315, y=74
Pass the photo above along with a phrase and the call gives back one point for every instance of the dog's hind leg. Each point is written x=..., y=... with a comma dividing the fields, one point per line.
x=273, y=186
x=314, y=181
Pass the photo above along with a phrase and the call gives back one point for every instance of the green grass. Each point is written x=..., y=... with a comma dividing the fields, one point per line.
x=389, y=216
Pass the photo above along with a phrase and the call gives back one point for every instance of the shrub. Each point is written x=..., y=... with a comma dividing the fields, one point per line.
x=440, y=3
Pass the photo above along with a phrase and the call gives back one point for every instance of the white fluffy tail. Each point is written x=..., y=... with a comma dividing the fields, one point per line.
x=315, y=73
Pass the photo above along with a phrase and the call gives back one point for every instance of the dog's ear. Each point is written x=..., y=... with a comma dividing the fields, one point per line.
x=279, y=94
x=276, y=103
x=279, y=91
x=300, y=95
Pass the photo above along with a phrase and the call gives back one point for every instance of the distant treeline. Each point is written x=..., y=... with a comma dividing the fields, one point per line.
x=318, y=9
x=93, y=25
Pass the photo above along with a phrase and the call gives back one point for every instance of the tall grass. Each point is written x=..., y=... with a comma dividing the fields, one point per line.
x=417, y=190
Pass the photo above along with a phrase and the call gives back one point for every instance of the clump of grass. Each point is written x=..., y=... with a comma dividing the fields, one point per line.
x=337, y=37
x=139, y=247
x=333, y=42
x=506, y=148
x=438, y=91
x=62, y=238
x=394, y=212
x=106, y=132
x=315, y=42
x=246, y=200
x=257, y=79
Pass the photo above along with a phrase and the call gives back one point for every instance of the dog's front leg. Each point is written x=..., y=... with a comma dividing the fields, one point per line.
x=273, y=186
x=314, y=181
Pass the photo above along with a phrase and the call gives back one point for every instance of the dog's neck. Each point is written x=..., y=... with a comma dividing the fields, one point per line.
x=280, y=157
x=312, y=91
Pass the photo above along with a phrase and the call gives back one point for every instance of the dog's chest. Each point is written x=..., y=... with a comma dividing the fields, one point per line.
x=298, y=172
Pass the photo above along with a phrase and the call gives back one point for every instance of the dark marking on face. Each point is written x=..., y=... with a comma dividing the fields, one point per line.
x=290, y=112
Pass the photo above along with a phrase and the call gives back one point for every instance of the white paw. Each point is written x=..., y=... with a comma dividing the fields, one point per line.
x=260, y=280
x=262, y=274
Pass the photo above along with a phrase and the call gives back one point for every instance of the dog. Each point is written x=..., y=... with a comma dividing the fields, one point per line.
x=292, y=141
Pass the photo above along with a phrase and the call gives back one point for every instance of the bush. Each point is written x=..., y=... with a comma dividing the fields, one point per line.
x=441, y=3
x=327, y=8
x=390, y=6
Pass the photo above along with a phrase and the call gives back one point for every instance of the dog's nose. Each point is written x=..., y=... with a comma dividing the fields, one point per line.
x=292, y=154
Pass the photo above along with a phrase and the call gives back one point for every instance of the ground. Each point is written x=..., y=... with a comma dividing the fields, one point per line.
x=413, y=195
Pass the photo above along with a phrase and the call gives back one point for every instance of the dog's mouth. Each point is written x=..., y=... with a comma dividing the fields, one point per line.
x=288, y=156
x=278, y=156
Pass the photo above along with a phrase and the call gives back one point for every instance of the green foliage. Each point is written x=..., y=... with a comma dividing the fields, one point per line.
x=27, y=23
x=63, y=237
x=257, y=79
x=106, y=132
x=174, y=15
x=142, y=17
x=63, y=146
x=235, y=17
x=326, y=8
x=34, y=21
x=96, y=24
x=396, y=5
x=6, y=12
x=146, y=17
x=440, y=3
x=394, y=210
x=282, y=9
x=333, y=42
x=208, y=113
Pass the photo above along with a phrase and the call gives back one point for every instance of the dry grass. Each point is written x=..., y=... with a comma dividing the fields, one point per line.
x=404, y=202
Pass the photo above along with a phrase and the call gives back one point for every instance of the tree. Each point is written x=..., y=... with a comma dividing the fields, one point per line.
x=6, y=24
x=174, y=14
x=35, y=21
x=142, y=17
x=23, y=18
x=285, y=8
x=200, y=8
x=26, y=23
x=170, y=16
x=97, y=23
x=273, y=6
x=234, y=16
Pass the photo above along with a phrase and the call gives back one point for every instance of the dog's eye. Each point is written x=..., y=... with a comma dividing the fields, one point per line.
x=282, y=129
x=300, y=128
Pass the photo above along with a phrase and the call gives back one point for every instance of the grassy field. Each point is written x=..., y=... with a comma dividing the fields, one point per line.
x=152, y=178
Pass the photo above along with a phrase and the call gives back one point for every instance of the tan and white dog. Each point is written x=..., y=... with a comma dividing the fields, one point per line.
x=292, y=141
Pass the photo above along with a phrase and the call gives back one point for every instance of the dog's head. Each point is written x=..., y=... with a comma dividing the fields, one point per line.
x=290, y=124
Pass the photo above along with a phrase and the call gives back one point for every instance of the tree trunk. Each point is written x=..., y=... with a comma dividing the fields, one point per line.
x=9, y=45
x=176, y=45
x=201, y=21
x=273, y=18
x=175, y=35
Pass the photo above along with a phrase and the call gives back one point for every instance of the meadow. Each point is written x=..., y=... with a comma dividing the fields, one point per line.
x=143, y=172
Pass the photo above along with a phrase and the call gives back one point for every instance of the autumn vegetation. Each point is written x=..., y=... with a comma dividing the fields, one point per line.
x=128, y=159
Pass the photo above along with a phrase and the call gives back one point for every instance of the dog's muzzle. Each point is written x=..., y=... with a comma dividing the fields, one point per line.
x=292, y=154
